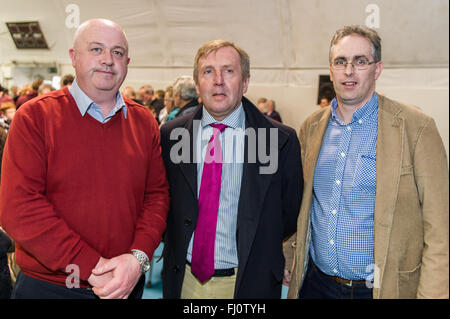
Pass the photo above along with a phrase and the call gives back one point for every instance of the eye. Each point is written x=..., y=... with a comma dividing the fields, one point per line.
x=340, y=62
x=118, y=53
x=361, y=61
x=207, y=71
x=96, y=50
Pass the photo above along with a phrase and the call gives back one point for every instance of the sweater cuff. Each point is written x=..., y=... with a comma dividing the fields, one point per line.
x=87, y=260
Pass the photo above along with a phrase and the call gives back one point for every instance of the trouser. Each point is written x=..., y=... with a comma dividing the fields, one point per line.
x=217, y=287
x=318, y=285
x=27, y=287
x=5, y=279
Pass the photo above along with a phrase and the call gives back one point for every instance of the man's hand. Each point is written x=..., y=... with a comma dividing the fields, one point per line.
x=125, y=272
x=287, y=278
x=100, y=281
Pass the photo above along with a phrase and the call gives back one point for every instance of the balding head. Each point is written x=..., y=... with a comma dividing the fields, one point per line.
x=101, y=24
x=100, y=58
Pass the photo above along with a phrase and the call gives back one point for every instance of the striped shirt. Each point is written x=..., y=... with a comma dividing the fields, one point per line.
x=342, y=241
x=232, y=141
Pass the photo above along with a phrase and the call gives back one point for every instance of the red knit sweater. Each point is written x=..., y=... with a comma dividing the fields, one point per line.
x=74, y=189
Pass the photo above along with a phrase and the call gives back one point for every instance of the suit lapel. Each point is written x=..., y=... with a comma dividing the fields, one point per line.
x=315, y=137
x=254, y=185
x=189, y=169
x=389, y=161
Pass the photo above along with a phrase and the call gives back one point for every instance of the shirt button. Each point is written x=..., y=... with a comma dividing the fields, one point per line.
x=334, y=211
x=360, y=121
x=332, y=242
x=335, y=271
x=338, y=182
x=342, y=154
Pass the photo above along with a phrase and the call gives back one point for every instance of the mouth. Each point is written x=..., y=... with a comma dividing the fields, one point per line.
x=219, y=95
x=349, y=84
x=105, y=72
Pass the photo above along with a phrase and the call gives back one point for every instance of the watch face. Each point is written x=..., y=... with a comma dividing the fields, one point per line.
x=146, y=266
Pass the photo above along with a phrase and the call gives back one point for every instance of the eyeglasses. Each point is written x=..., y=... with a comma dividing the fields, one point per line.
x=360, y=63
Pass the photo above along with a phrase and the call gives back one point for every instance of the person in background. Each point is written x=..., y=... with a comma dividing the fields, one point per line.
x=270, y=107
x=14, y=91
x=7, y=112
x=5, y=275
x=324, y=102
x=262, y=107
x=31, y=93
x=168, y=105
x=45, y=88
x=5, y=241
x=85, y=221
x=145, y=94
x=184, y=95
x=4, y=97
x=67, y=80
x=157, y=104
x=374, y=217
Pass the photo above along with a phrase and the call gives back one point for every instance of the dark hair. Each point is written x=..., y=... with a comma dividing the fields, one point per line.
x=67, y=79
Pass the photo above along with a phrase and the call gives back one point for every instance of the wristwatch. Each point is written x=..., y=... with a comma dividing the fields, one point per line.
x=143, y=260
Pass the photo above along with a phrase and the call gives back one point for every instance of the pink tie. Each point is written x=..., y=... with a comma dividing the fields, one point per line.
x=202, y=264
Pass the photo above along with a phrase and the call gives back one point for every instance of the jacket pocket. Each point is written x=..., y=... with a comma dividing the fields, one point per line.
x=408, y=281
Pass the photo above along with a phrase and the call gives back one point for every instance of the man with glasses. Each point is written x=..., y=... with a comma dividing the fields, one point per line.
x=374, y=216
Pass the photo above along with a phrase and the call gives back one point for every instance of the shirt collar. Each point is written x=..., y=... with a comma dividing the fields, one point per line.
x=360, y=114
x=84, y=102
x=235, y=120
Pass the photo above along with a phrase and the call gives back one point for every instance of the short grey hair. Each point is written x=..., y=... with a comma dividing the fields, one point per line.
x=186, y=86
x=369, y=34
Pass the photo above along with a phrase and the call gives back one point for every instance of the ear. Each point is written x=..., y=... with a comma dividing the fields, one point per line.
x=331, y=73
x=246, y=83
x=128, y=60
x=378, y=69
x=197, y=89
x=72, y=56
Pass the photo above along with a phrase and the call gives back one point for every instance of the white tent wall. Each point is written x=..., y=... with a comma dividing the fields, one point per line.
x=287, y=41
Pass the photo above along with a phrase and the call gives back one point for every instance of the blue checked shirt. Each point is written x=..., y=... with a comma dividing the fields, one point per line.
x=342, y=241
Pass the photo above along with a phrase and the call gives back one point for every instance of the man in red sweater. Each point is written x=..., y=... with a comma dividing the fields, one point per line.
x=84, y=192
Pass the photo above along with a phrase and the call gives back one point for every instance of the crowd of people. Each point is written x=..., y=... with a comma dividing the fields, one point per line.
x=180, y=99
x=86, y=200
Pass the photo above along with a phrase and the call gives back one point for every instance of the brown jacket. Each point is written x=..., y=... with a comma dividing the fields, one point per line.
x=411, y=217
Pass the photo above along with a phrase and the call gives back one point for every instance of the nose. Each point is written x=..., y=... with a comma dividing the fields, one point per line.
x=107, y=58
x=348, y=69
x=218, y=79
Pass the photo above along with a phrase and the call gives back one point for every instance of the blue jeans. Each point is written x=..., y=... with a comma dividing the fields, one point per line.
x=318, y=285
